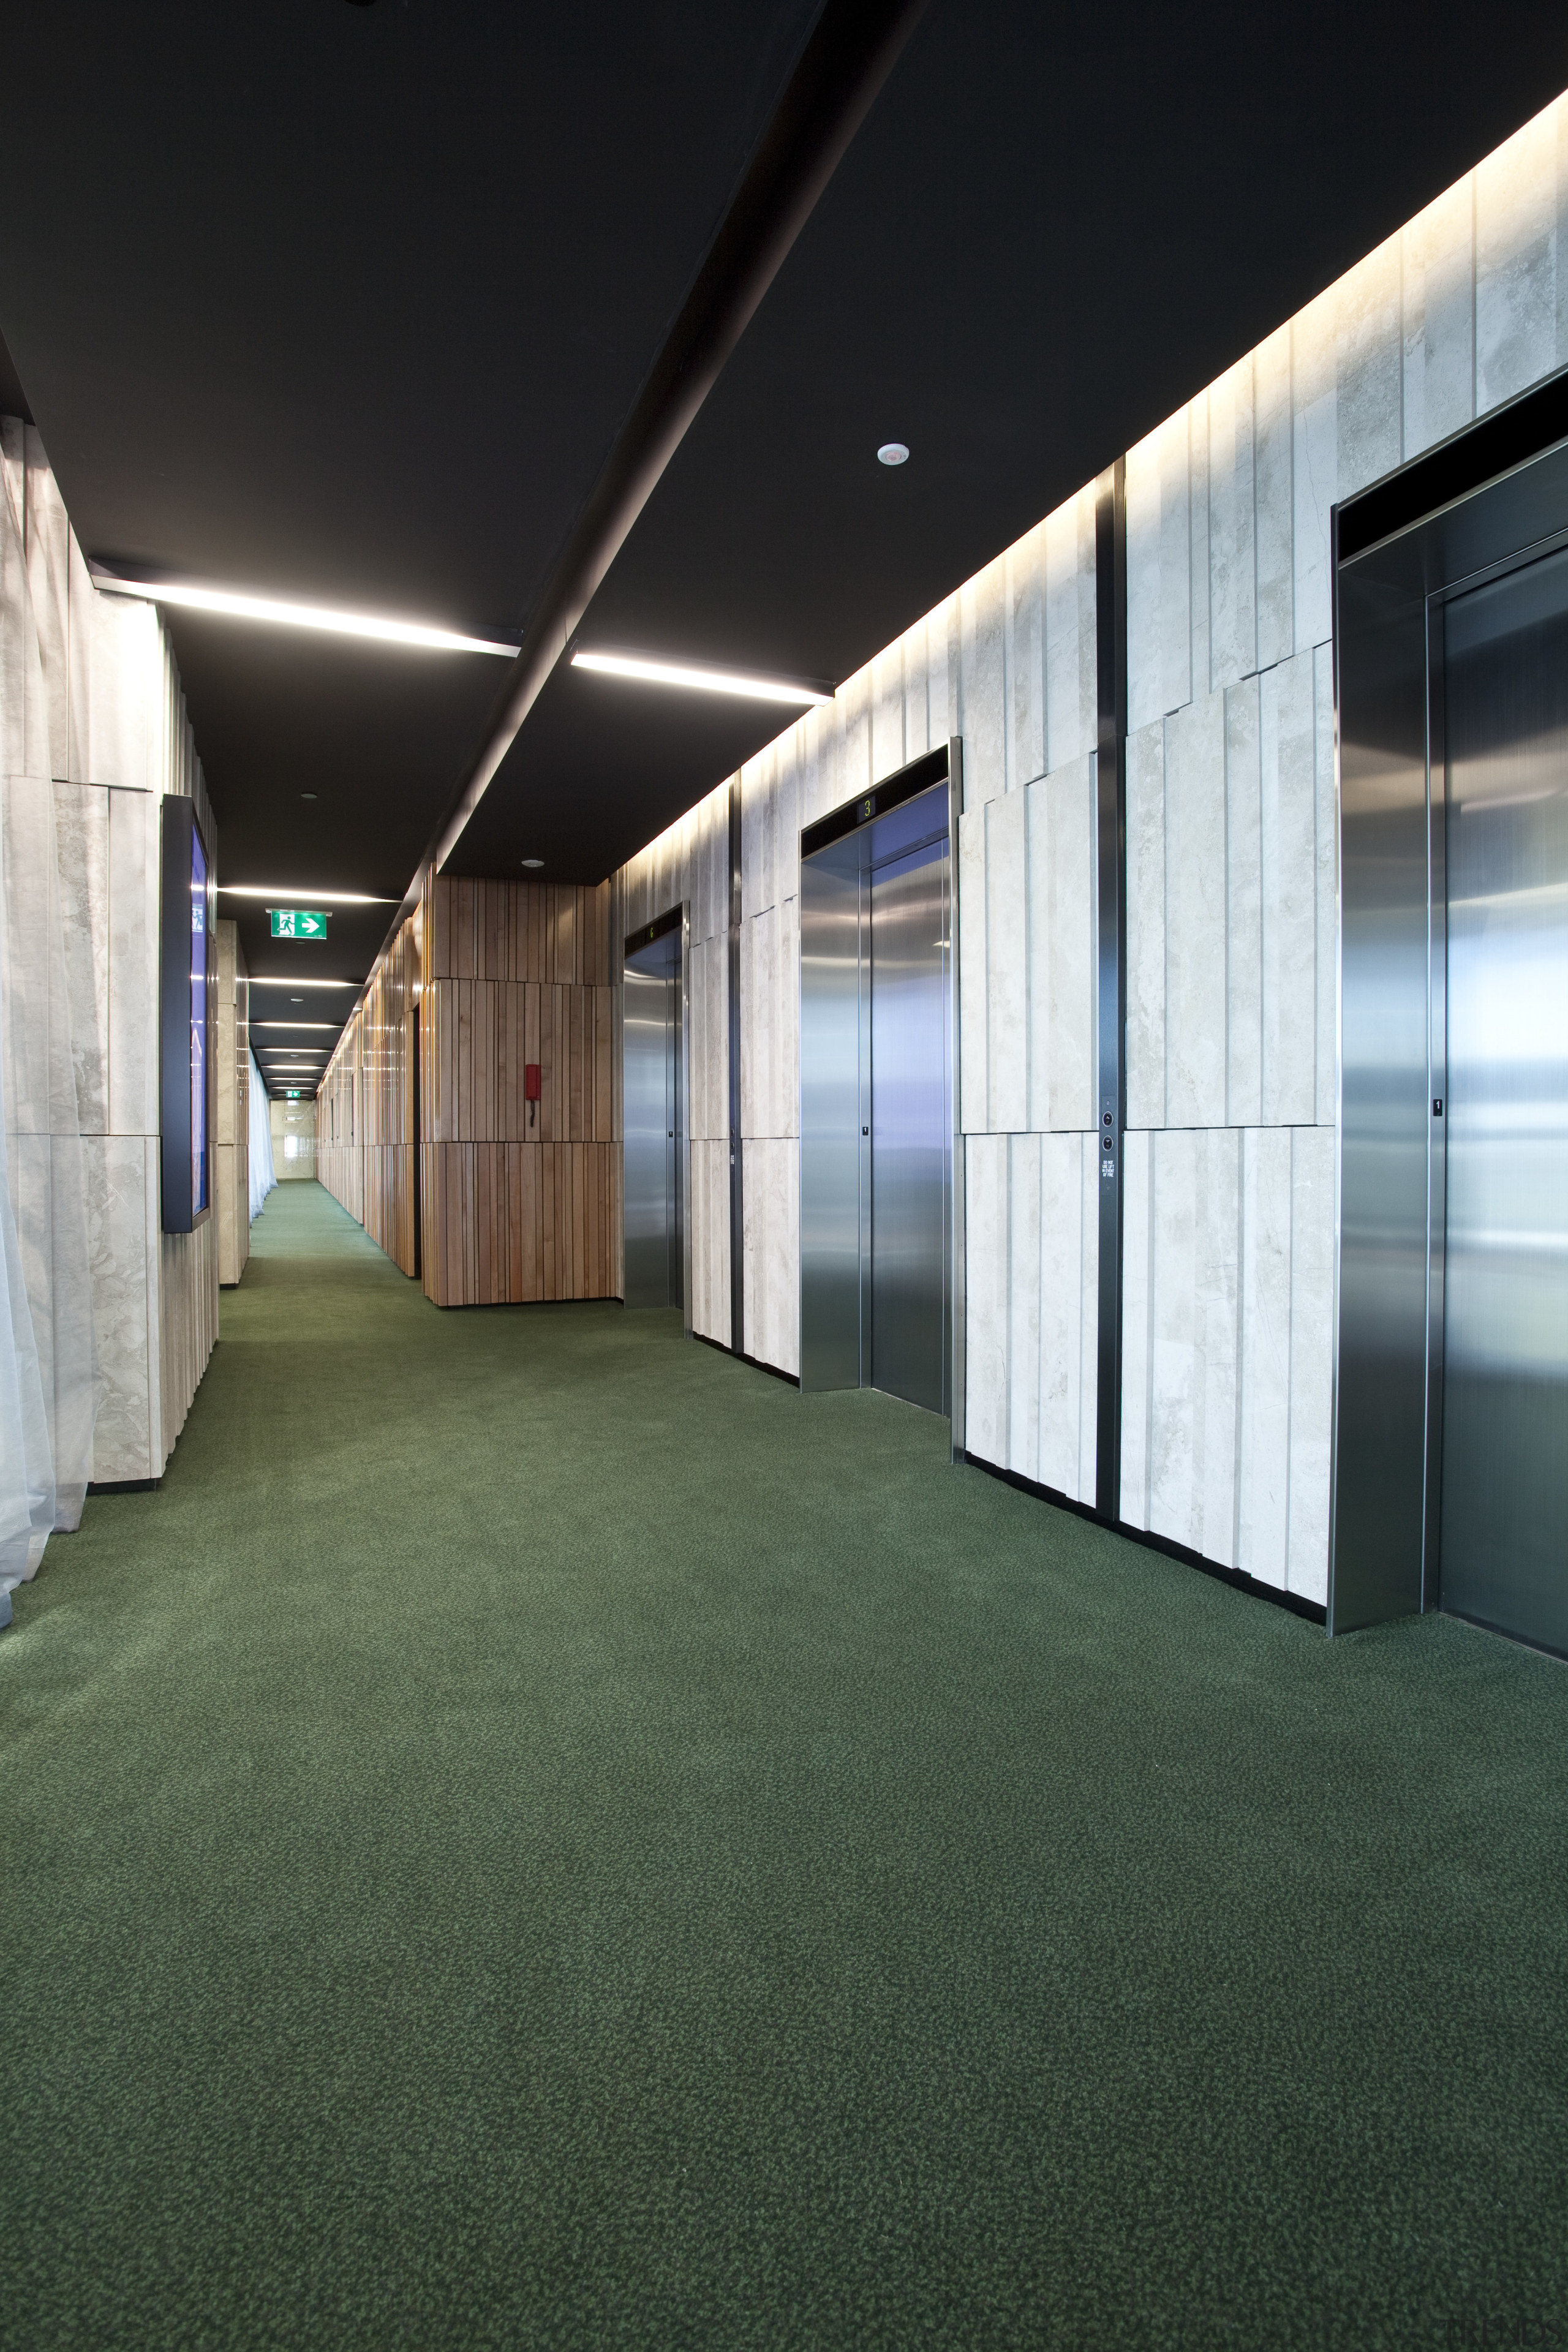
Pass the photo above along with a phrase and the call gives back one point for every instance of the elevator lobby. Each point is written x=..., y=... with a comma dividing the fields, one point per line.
x=783, y=1221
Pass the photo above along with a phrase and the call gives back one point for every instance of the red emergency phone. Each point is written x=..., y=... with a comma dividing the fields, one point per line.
x=530, y=1086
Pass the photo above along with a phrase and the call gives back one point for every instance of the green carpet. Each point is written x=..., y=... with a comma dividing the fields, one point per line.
x=540, y=1836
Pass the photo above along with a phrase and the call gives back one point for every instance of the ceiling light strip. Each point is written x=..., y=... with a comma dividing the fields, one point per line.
x=291, y=894
x=237, y=604
x=650, y=672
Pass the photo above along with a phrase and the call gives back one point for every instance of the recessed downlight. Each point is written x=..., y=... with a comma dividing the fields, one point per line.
x=893, y=453
x=534, y=862
x=307, y=796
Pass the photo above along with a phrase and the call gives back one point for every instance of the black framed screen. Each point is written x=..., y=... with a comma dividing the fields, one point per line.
x=188, y=1017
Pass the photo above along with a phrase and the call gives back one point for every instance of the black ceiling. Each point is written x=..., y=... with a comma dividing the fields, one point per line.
x=351, y=303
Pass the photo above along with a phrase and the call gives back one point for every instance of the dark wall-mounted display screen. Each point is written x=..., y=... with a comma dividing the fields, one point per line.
x=200, y=940
x=187, y=1021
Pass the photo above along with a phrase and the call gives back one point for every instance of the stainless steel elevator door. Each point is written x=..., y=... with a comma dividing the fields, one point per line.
x=651, y=1121
x=910, y=1122
x=1504, y=1513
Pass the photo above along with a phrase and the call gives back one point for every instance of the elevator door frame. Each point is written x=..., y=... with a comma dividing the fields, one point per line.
x=675, y=920
x=838, y=853
x=1384, y=1557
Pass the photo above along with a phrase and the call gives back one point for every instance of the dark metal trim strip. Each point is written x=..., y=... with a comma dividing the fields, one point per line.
x=670, y=920
x=931, y=768
x=1110, y=961
x=1467, y=460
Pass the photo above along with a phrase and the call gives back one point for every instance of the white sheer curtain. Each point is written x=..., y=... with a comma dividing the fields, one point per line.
x=49, y=1357
x=263, y=1175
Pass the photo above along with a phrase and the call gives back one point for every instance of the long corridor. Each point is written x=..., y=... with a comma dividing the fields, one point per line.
x=540, y=1835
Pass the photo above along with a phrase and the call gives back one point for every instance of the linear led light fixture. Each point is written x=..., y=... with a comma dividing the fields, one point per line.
x=295, y=1025
x=288, y=893
x=281, y=979
x=648, y=671
x=237, y=604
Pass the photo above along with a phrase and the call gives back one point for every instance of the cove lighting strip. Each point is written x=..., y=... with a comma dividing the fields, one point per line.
x=707, y=681
x=238, y=606
x=288, y=893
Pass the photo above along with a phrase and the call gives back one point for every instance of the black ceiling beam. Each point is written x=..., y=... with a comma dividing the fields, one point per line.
x=851, y=50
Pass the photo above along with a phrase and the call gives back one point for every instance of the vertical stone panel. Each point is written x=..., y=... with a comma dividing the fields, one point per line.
x=1060, y=973
x=1521, y=295
x=1369, y=367
x=1437, y=261
x=1025, y=1306
x=887, y=679
x=1137, y=1323
x=1262, y=1483
x=1311, y=1358
x=987, y=1295
x=1146, y=891
x=1066, y=1321
x=1159, y=573
x=1072, y=707
x=1007, y=962
x=1314, y=465
x=1024, y=658
x=1195, y=916
x=1289, y=926
x=1233, y=577
x=1243, y=907
x=1194, y=1392
x=1274, y=497
x=974, y=969
x=982, y=604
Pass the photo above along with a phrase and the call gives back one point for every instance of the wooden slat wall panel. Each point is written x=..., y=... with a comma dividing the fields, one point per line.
x=513, y=974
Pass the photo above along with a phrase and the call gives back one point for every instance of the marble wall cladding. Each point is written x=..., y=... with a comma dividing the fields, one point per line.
x=1228, y=1347
x=1026, y=956
x=1232, y=892
x=770, y=1032
x=90, y=700
x=122, y=1225
x=1231, y=909
x=710, y=1240
x=772, y=1295
x=1033, y=1312
x=1228, y=501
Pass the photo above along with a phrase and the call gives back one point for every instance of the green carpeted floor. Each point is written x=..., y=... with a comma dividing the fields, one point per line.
x=540, y=1835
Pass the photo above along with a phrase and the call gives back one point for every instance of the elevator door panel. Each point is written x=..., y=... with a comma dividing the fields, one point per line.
x=908, y=1128
x=1504, y=1511
x=650, y=1119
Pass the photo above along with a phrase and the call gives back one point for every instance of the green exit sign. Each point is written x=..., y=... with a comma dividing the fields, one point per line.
x=298, y=923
